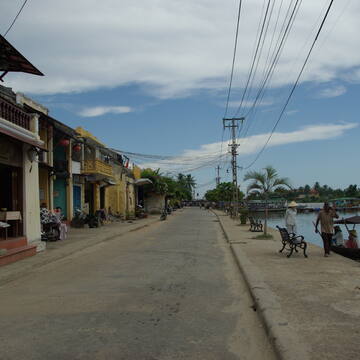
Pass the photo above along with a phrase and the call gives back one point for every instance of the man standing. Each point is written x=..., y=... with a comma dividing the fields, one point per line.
x=290, y=217
x=325, y=217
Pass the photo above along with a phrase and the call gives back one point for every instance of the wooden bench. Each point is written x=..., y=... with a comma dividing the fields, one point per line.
x=291, y=242
x=255, y=225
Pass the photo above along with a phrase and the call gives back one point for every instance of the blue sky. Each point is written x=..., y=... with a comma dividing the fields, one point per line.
x=152, y=78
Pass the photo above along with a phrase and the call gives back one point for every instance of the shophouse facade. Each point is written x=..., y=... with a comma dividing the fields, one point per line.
x=20, y=145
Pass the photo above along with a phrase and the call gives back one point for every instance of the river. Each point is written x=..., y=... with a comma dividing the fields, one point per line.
x=305, y=224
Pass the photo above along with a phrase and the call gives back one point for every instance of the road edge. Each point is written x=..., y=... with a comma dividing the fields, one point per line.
x=286, y=343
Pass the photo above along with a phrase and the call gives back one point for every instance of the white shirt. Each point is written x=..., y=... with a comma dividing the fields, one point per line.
x=290, y=217
x=339, y=239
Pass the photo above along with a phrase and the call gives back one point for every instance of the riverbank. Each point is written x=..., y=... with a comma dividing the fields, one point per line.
x=309, y=305
x=305, y=224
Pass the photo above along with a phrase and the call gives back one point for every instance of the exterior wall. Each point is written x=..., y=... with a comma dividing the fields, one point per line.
x=115, y=197
x=69, y=183
x=154, y=203
x=31, y=207
x=136, y=172
x=96, y=196
x=131, y=203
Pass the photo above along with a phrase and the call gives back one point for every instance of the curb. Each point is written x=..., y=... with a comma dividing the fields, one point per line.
x=287, y=344
x=56, y=257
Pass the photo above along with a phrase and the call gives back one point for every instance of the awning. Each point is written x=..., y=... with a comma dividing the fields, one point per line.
x=12, y=60
x=351, y=220
x=21, y=134
x=142, y=181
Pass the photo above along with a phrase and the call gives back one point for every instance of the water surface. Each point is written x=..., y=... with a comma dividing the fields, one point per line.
x=305, y=224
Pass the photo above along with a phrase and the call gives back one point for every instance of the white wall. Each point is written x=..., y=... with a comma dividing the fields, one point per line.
x=154, y=203
x=31, y=200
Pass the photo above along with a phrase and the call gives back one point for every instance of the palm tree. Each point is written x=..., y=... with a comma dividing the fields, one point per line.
x=190, y=182
x=265, y=182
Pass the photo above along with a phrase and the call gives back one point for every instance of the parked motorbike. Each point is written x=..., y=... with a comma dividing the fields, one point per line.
x=50, y=226
x=163, y=214
x=79, y=219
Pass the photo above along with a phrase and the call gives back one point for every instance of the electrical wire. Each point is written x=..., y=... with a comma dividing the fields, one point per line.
x=247, y=99
x=254, y=59
x=293, y=88
x=277, y=54
x=234, y=57
x=17, y=15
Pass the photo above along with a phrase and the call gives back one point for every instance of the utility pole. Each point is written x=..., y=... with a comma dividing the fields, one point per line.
x=218, y=175
x=233, y=125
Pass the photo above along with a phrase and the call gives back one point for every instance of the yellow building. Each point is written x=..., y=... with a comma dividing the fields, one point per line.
x=121, y=198
x=109, y=184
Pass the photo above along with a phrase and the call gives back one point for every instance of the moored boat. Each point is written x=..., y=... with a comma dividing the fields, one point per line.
x=353, y=254
x=349, y=252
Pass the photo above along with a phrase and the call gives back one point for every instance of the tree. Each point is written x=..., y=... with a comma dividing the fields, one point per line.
x=351, y=191
x=223, y=192
x=264, y=182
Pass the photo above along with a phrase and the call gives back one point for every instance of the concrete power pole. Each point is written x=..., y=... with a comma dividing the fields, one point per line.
x=218, y=175
x=233, y=125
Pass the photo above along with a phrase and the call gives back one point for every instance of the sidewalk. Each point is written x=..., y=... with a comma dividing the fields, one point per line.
x=310, y=307
x=77, y=239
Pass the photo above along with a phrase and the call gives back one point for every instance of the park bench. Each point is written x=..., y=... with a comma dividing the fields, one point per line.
x=291, y=242
x=255, y=225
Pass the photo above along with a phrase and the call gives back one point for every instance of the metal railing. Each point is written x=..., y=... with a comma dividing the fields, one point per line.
x=97, y=167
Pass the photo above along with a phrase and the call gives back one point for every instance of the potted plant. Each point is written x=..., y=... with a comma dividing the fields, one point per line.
x=243, y=216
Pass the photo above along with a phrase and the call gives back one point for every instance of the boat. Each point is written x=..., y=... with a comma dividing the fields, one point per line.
x=350, y=253
x=346, y=203
x=353, y=254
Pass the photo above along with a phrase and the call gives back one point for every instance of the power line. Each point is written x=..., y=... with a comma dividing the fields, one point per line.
x=276, y=56
x=233, y=60
x=293, y=88
x=277, y=52
x=267, y=23
x=254, y=59
x=17, y=15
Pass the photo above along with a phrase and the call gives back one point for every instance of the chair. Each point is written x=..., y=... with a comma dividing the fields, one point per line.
x=255, y=225
x=291, y=242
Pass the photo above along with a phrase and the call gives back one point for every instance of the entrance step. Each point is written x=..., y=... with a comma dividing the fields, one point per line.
x=16, y=254
x=12, y=243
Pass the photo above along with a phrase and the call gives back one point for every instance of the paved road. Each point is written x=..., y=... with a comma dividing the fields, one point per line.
x=170, y=291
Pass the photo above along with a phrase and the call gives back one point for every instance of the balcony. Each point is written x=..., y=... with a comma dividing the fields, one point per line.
x=97, y=167
x=13, y=114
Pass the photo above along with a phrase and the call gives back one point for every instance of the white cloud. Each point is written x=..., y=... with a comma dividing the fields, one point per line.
x=102, y=110
x=332, y=92
x=291, y=112
x=249, y=103
x=208, y=154
x=172, y=48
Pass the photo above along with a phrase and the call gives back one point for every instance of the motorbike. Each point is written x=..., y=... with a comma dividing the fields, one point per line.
x=163, y=214
x=50, y=226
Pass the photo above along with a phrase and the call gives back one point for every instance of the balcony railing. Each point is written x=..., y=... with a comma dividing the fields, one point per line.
x=97, y=167
x=12, y=113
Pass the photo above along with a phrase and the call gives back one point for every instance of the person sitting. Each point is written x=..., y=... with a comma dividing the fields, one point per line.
x=338, y=239
x=62, y=225
x=352, y=243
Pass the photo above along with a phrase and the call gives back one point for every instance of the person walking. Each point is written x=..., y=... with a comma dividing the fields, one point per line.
x=290, y=217
x=325, y=217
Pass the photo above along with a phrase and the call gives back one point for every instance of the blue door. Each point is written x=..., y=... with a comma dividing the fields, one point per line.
x=60, y=195
x=77, y=197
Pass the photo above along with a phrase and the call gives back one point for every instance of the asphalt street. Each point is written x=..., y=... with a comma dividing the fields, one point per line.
x=170, y=291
